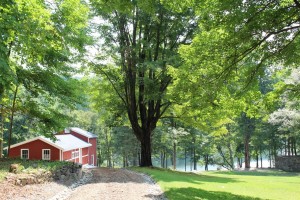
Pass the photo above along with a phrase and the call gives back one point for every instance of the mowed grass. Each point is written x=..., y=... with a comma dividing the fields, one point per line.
x=245, y=185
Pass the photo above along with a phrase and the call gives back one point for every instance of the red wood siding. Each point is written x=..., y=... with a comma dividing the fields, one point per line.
x=67, y=155
x=85, y=156
x=85, y=151
x=35, y=150
x=85, y=160
x=93, y=151
x=84, y=138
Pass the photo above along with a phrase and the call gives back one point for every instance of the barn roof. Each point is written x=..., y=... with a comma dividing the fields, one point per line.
x=69, y=142
x=83, y=132
x=63, y=142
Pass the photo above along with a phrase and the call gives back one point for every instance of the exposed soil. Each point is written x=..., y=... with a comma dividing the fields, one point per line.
x=98, y=183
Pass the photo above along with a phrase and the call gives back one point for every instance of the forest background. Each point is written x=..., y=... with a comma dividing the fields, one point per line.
x=208, y=82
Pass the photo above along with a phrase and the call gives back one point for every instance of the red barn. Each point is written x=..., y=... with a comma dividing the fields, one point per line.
x=74, y=144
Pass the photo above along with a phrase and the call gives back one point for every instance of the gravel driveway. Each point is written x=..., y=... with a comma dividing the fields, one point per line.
x=98, y=183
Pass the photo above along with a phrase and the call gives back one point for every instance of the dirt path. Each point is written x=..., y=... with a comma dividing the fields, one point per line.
x=103, y=183
x=117, y=184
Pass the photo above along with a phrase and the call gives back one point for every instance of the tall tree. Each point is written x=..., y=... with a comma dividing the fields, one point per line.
x=146, y=36
x=39, y=41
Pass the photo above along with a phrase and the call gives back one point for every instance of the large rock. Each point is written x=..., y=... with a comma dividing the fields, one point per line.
x=13, y=168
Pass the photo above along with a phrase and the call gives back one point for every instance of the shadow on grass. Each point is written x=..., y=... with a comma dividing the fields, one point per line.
x=272, y=172
x=192, y=193
x=171, y=176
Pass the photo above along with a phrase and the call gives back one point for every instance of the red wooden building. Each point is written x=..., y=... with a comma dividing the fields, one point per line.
x=72, y=144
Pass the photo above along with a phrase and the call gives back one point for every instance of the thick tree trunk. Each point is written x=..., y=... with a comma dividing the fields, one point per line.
x=174, y=155
x=247, y=150
x=230, y=155
x=289, y=147
x=261, y=165
x=1, y=131
x=166, y=160
x=191, y=158
x=12, y=120
x=295, y=146
x=139, y=158
x=108, y=150
x=206, y=162
x=285, y=147
x=146, y=151
x=257, y=159
x=195, y=158
x=185, y=156
x=162, y=159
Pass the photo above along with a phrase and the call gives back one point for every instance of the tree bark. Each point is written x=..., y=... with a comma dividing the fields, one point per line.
x=195, y=158
x=206, y=162
x=289, y=147
x=230, y=155
x=295, y=146
x=257, y=159
x=1, y=131
x=247, y=150
x=174, y=155
x=261, y=165
x=185, y=155
x=12, y=119
x=146, y=151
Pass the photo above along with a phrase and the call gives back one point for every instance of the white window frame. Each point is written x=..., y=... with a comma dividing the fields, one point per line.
x=75, y=154
x=21, y=155
x=44, y=157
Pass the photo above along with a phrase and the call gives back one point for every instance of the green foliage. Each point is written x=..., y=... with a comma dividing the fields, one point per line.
x=40, y=40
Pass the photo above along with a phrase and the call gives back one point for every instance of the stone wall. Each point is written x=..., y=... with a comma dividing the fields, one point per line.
x=65, y=173
x=288, y=163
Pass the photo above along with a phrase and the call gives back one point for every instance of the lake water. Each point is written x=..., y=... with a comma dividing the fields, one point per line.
x=181, y=167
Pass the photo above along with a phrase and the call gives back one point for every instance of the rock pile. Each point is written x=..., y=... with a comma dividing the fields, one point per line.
x=38, y=176
x=68, y=171
x=86, y=177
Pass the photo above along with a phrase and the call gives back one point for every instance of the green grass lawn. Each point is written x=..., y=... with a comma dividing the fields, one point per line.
x=243, y=185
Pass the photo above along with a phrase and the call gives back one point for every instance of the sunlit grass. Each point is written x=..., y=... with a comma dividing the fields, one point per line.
x=244, y=185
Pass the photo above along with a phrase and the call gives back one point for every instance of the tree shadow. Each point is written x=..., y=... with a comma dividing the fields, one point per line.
x=192, y=193
x=191, y=177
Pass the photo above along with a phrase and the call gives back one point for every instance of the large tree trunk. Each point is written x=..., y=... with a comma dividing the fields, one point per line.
x=248, y=125
x=185, y=156
x=174, y=155
x=295, y=147
x=146, y=151
x=1, y=131
x=146, y=43
x=206, y=162
x=247, y=150
x=12, y=120
x=230, y=155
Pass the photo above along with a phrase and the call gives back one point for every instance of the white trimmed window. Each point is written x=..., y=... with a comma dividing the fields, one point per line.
x=46, y=154
x=75, y=154
x=24, y=153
